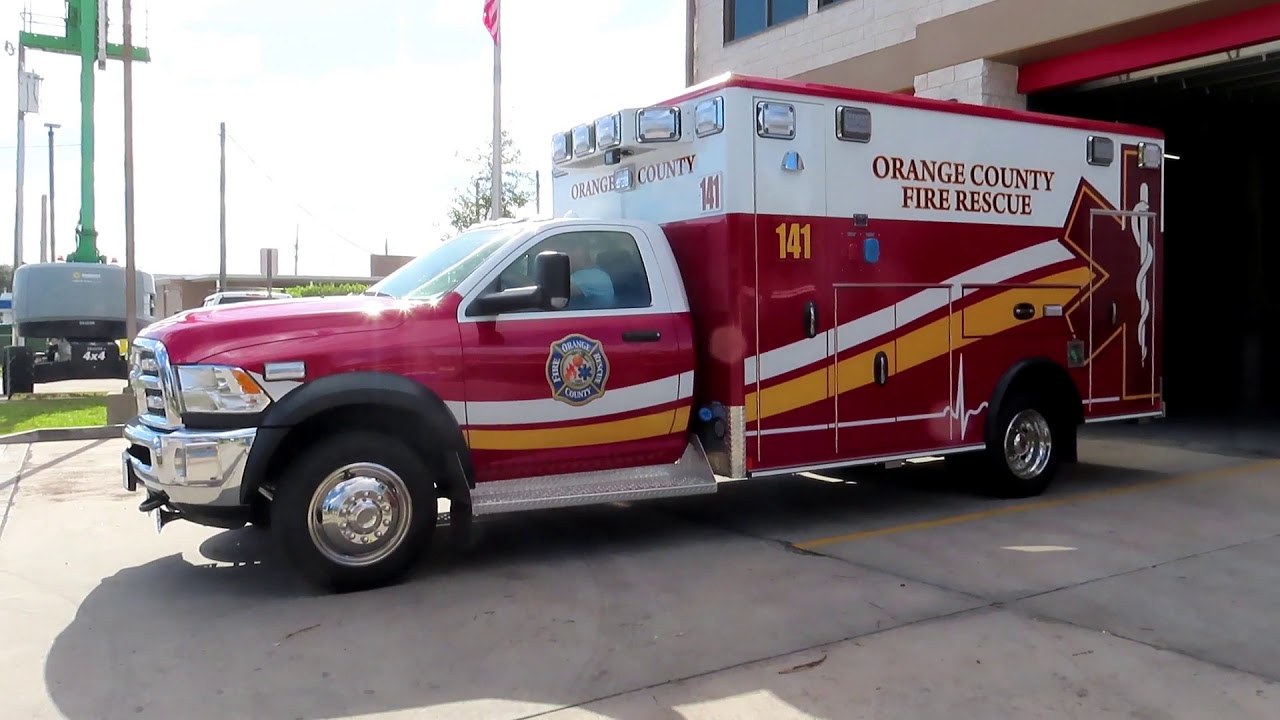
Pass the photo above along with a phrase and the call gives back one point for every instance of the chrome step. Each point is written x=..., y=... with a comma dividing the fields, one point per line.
x=691, y=475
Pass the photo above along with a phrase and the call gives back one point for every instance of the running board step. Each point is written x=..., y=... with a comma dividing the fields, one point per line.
x=691, y=475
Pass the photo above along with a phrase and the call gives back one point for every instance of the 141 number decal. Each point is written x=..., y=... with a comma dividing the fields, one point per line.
x=711, y=200
x=793, y=241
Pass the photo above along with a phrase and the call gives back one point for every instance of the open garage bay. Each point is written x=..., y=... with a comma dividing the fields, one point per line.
x=1220, y=225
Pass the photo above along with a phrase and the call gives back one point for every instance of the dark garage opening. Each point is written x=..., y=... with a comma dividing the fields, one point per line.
x=1222, y=222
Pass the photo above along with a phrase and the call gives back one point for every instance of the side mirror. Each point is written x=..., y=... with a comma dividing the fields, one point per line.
x=552, y=272
x=551, y=291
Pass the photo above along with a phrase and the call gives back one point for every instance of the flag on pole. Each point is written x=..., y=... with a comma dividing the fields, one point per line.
x=491, y=23
x=491, y=18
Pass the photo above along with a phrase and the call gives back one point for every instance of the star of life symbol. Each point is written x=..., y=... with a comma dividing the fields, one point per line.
x=577, y=369
x=1142, y=235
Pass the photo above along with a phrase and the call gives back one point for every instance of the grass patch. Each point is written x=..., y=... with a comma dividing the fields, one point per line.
x=33, y=412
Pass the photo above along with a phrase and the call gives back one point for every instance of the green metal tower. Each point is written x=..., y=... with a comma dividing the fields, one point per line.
x=85, y=36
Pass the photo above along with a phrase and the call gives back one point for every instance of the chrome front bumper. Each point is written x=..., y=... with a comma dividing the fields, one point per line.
x=198, y=468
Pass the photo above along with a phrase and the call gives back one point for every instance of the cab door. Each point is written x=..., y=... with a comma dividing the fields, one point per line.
x=595, y=386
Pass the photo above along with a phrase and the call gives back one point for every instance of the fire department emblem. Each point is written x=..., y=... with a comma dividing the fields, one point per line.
x=577, y=369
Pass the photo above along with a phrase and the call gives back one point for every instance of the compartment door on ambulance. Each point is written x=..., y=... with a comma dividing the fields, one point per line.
x=1123, y=368
x=788, y=391
x=893, y=369
x=602, y=384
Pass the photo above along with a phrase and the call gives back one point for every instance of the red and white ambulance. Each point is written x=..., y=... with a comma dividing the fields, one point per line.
x=756, y=278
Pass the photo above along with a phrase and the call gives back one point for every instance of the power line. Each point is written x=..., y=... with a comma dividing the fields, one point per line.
x=41, y=146
x=299, y=205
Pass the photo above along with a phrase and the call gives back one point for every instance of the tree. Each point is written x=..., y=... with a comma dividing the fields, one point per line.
x=471, y=203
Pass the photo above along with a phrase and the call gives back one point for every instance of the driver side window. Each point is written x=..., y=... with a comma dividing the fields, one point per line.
x=518, y=274
x=606, y=269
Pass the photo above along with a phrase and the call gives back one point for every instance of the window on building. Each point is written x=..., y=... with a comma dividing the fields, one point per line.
x=824, y=3
x=748, y=17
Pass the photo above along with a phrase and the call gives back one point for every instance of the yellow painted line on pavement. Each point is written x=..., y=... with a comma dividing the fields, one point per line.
x=1214, y=474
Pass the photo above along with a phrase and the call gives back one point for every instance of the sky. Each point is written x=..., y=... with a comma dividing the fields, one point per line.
x=347, y=120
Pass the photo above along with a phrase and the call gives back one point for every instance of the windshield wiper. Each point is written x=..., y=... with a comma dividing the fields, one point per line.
x=377, y=293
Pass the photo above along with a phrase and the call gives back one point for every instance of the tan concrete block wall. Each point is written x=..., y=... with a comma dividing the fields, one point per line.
x=838, y=32
x=979, y=82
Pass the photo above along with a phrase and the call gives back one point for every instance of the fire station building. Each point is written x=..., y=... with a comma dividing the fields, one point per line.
x=1205, y=72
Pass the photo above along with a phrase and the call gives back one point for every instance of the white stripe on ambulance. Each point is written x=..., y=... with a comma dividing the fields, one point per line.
x=796, y=355
x=548, y=410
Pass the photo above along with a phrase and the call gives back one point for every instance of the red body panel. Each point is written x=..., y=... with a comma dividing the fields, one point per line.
x=507, y=362
x=942, y=364
x=364, y=334
x=718, y=268
x=1121, y=380
x=198, y=334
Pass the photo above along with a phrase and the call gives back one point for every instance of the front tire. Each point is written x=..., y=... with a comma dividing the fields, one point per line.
x=1023, y=453
x=354, y=511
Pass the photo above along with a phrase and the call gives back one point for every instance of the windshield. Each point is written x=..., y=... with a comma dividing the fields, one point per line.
x=443, y=268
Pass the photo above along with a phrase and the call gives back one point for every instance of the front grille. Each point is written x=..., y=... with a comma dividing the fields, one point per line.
x=151, y=379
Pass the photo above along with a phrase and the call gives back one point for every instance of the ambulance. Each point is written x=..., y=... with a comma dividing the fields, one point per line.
x=755, y=278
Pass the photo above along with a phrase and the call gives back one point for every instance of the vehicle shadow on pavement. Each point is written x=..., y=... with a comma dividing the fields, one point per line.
x=546, y=613
x=864, y=500
x=549, y=609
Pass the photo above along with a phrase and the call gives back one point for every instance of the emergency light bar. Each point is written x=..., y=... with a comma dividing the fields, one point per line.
x=561, y=147
x=584, y=140
x=629, y=131
x=609, y=131
x=708, y=116
x=658, y=124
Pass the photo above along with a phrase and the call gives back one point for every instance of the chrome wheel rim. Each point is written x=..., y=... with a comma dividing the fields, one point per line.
x=360, y=514
x=1028, y=443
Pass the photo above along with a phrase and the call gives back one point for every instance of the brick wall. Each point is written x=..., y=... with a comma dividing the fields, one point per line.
x=980, y=82
x=837, y=32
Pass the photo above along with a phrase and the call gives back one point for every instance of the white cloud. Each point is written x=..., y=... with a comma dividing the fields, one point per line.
x=369, y=149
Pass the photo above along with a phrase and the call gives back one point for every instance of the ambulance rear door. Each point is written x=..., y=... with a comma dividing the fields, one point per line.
x=788, y=395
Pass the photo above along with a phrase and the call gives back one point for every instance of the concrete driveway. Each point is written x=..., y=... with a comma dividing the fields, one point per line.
x=1145, y=585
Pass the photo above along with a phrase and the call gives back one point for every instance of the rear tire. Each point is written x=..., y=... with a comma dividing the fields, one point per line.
x=1023, y=452
x=354, y=511
x=19, y=371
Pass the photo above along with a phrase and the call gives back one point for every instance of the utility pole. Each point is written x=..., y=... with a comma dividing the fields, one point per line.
x=295, y=248
x=222, y=210
x=690, y=40
x=22, y=154
x=44, y=228
x=85, y=36
x=52, y=222
x=130, y=269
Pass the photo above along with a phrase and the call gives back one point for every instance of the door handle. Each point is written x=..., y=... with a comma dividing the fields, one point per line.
x=810, y=319
x=641, y=336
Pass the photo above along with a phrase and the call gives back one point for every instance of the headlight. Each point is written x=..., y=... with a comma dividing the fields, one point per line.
x=219, y=389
